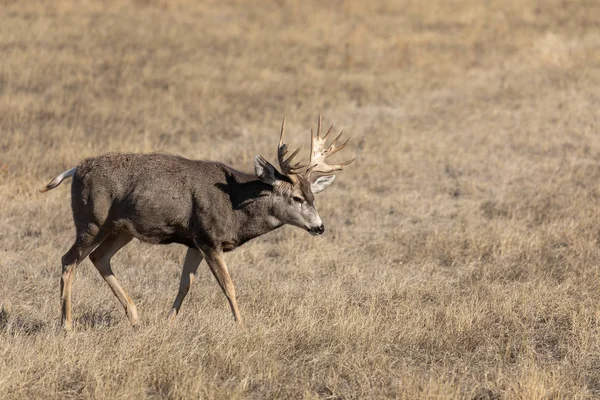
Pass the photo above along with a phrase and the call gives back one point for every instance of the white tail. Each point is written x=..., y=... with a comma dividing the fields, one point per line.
x=56, y=181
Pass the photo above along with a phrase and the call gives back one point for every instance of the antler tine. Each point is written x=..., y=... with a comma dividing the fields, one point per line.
x=333, y=148
x=319, y=127
x=291, y=157
x=286, y=164
x=282, y=133
x=327, y=169
x=329, y=130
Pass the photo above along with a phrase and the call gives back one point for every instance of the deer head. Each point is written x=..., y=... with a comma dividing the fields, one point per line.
x=295, y=186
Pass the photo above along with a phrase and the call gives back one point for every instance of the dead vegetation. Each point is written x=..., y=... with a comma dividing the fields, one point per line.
x=461, y=258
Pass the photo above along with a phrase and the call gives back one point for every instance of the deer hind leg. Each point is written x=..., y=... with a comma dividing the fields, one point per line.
x=218, y=267
x=101, y=260
x=193, y=258
x=83, y=245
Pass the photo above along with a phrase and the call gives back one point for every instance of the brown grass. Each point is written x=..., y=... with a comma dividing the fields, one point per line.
x=461, y=258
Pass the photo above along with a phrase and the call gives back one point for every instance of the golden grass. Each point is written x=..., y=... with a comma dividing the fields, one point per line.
x=461, y=258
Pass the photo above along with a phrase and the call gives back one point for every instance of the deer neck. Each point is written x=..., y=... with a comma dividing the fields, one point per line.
x=254, y=214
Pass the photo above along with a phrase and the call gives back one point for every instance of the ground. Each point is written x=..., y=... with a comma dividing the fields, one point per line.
x=461, y=257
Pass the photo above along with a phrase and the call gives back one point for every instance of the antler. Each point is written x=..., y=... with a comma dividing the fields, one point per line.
x=319, y=154
x=286, y=164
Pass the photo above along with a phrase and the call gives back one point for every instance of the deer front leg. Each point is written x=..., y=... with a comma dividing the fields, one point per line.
x=217, y=265
x=193, y=258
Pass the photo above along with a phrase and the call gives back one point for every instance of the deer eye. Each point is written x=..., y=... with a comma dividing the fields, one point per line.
x=298, y=200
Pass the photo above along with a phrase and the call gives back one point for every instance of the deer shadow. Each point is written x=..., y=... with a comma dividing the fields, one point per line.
x=96, y=319
x=17, y=325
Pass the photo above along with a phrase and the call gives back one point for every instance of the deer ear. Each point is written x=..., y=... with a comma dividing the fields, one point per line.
x=321, y=183
x=265, y=171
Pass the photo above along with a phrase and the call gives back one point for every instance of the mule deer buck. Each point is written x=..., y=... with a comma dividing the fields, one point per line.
x=207, y=206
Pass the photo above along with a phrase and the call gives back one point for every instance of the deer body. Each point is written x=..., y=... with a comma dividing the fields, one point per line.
x=207, y=206
x=162, y=198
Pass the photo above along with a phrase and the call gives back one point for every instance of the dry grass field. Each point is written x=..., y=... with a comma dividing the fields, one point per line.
x=462, y=252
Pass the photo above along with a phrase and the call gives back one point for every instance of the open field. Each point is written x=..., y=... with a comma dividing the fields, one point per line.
x=462, y=252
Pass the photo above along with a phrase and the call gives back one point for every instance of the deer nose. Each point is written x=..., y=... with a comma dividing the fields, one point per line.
x=317, y=230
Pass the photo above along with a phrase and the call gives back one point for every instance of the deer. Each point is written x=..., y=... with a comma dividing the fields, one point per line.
x=207, y=206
